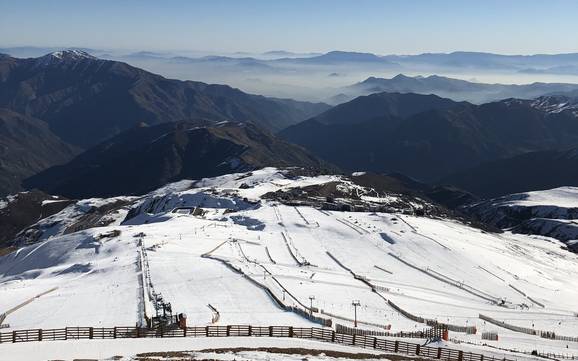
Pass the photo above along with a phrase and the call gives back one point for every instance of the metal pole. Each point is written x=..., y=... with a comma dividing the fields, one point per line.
x=355, y=303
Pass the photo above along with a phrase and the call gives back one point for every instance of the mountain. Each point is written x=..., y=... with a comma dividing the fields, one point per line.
x=456, y=89
x=337, y=57
x=447, y=196
x=378, y=105
x=23, y=209
x=428, y=138
x=27, y=146
x=480, y=60
x=525, y=172
x=551, y=213
x=86, y=100
x=143, y=158
x=454, y=60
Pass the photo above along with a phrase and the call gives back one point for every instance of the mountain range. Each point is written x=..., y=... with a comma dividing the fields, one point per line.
x=455, y=89
x=86, y=100
x=429, y=138
x=144, y=158
x=75, y=101
x=78, y=126
x=458, y=59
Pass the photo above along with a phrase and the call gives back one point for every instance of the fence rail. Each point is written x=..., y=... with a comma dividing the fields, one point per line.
x=433, y=323
x=530, y=331
x=319, y=334
x=424, y=334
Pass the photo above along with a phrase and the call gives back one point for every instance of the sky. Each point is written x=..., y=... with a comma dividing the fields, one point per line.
x=377, y=26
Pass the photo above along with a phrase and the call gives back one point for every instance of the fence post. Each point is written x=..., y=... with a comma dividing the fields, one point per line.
x=417, y=349
x=66, y=333
x=13, y=336
x=250, y=330
x=439, y=352
x=185, y=332
x=114, y=332
x=460, y=355
x=396, y=346
x=375, y=342
x=91, y=333
x=333, y=337
x=270, y=331
x=206, y=331
x=481, y=357
x=39, y=334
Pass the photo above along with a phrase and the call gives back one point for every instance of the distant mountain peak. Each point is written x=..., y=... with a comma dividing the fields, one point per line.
x=401, y=77
x=65, y=56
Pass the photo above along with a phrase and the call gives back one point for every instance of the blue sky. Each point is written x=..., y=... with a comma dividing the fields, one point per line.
x=379, y=26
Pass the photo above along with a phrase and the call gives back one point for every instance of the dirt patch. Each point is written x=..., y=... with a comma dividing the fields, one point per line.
x=301, y=351
x=189, y=355
x=4, y=251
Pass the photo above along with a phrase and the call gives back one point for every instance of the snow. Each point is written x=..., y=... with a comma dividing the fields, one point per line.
x=56, y=57
x=49, y=201
x=562, y=197
x=555, y=105
x=57, y=224
x=551, y=213
x=436, y=268
x=7, y=200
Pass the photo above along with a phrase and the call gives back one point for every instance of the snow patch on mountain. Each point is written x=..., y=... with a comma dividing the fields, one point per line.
x=552, y=213
x=67, y=56
x=556, y=104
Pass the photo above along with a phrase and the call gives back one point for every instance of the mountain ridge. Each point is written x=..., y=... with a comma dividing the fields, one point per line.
x=143, y=158
x=431, y=137
x=85, y=99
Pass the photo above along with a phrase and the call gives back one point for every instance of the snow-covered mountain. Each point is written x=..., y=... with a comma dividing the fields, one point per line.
x=556, y=104
x=64, y=56
x=552, y=213
x=260, y=246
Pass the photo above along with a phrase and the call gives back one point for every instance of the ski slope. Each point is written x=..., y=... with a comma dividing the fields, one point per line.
x=245, y=254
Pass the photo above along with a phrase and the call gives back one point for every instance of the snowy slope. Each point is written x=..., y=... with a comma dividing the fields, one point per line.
x=551, y=213
x=251, y=258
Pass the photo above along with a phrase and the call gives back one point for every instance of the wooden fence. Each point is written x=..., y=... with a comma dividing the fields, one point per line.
x=429, y=333
x=319, y=334
x=433, y=323
x=530, y=331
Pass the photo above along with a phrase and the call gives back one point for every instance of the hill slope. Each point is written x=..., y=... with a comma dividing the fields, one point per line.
x=522, y=173
x=551, y=213
x=427, y=137
x=27, y=146
x=220, y=241
x=144, y=158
